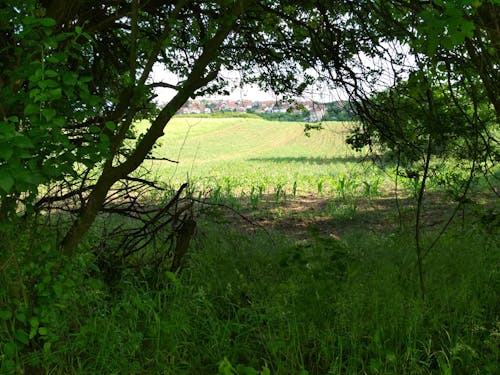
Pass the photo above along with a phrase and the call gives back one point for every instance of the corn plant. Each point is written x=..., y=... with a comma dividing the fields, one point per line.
x=278, y=192
x=254, y=197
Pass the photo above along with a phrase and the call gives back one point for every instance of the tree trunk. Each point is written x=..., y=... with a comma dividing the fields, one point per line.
x=198, y=78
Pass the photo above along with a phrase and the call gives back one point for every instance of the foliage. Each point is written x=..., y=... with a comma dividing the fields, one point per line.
x=426, y=85
x=283, y=116
x=191, y=40
x=338, y=111
x=44, y=95
x=75, y=81
x=417, y=115
x=90, y=97
x=274, y=306
x=441, y=96
x=319, y=305
x=42, y=299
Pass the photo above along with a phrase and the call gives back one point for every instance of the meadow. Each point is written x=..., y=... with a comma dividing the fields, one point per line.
x=321, y=278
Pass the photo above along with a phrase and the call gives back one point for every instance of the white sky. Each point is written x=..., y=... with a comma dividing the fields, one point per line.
x=248, y=92
x=323, y=93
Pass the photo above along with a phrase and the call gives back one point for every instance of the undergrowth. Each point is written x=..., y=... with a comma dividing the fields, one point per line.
x=250, y=304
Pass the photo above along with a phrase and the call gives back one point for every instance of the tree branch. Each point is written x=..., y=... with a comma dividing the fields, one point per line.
x=164, y=85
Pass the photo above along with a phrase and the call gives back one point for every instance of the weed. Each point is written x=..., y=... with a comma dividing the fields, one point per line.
x=320, y=186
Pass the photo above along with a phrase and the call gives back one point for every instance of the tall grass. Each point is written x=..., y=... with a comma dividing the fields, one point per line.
x=320, y=306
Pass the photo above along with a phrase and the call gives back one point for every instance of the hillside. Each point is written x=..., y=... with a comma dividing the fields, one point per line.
x=253, y=152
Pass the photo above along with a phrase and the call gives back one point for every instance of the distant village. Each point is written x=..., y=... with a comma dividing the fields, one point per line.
x=312, y=111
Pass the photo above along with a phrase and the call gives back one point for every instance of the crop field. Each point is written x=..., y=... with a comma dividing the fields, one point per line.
x=330, y=285
x=281, y=173
x=248, y=156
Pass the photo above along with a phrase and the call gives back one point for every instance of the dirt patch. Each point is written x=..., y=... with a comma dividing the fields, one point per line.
x=303, y=215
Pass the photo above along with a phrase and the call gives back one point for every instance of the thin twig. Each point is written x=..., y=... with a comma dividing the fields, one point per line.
x=396, y=191
x=420, y=199
x=165, y=159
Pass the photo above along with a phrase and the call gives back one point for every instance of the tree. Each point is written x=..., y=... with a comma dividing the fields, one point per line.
x=428, y=87
x=338, y=111
x=78, y=75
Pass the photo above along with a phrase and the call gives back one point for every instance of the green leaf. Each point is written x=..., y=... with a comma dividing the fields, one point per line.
x=49, y=113
x=468, y=28
x=50, y=73
x=105, y=141
x=6, y=151
x=29, y=178
x=30, y=20
x=390, y=357
x=31, y=109
x=58, y=57
x=70, y=78
x=48, y=83
x=7, y=131
x=94, y=100
x=10, y=349
x=6, y=181
x=36, y=95
x=22, y=336
x=442, y=67
x=447, y=44
x=432, y=44
x=54, y=94
x=5, y=314
x=21, y=317
x=171, y=276
x=110, y=125
x=59, y=121
x=34, y=323
x=21, y=141
x=47, y=22
x=85, y=79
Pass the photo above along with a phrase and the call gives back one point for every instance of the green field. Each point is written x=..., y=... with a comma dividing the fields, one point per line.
x=241, y=155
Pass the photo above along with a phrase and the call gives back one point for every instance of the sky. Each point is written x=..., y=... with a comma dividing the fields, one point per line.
x=248, y=92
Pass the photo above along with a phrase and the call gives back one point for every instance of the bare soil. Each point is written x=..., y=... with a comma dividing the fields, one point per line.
x=300, y=216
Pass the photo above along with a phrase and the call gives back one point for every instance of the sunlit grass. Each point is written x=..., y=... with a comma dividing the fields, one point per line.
x=241, y=155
